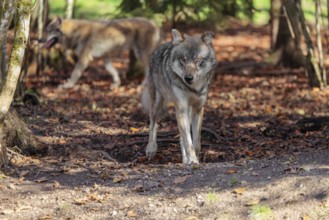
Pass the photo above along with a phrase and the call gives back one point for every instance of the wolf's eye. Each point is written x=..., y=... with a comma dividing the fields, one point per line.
x=200, y=62
x=182, y=60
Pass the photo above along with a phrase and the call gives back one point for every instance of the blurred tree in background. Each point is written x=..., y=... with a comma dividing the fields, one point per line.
x=191, y=12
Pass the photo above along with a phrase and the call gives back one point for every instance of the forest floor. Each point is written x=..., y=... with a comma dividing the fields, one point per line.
x=260, y=159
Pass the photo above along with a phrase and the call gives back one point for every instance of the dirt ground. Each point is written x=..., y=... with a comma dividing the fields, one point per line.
x=258, y=160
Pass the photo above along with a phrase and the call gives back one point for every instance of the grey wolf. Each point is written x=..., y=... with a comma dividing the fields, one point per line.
x=180, y=73
x=91, y=39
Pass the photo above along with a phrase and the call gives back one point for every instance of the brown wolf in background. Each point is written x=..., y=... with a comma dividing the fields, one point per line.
x=180, y=72
x=91, y=39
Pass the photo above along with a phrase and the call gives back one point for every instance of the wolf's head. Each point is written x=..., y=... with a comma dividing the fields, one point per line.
x=193, y=57
x=53, y=32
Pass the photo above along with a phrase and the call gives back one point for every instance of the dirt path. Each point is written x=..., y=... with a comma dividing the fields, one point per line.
x=289, y=188
x=255, y=162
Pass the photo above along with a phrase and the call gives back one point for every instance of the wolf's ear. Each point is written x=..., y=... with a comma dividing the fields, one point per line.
x=208, y=36
x=59, y=20
x=177, y=37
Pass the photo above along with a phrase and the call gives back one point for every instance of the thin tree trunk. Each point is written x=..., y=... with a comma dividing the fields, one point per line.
x=40, y=35
x=312, y=66
x=69, y=9
x=319, y=42
x=7, y=12
x=22, y=26
x=287, y=44
x=275, y=20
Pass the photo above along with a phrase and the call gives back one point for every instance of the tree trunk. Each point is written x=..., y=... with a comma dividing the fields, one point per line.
x=323, y=71
x=22, y=26
x=313, y=69
x=7, y=12
x=69, y=10
x=40, y=36
x=289, y=36
x=275, y=21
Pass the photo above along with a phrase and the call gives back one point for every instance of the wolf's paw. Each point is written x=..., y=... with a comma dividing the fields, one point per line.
x=66, y=85
x=115, y=86
x=151, y=150
x=190, y=161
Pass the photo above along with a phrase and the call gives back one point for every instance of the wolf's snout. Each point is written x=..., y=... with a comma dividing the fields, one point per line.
x=189, y=79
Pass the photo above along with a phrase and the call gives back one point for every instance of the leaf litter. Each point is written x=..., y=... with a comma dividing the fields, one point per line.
x=255, y=143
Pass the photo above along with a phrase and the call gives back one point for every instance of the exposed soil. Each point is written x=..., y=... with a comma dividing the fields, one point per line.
x=259, y=159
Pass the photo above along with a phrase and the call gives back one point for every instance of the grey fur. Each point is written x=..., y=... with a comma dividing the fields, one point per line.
x=180, y=72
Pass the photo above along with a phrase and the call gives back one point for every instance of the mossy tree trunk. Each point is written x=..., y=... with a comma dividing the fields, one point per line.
x=6, y=14
x=9, y=120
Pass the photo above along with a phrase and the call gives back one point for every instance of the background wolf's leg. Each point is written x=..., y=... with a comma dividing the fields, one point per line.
x=144, y=57
x=183, y=121
x=114, y=73
x=78, y=69
x=196, y=129
x=156, y=106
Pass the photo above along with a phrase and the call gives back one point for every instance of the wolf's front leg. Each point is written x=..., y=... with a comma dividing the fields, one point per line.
x=77, y=72
x=154, y=111
x=197, y=115
x=183, y=121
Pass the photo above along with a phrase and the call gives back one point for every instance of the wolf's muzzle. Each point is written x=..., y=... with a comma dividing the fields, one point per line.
x=189, y=79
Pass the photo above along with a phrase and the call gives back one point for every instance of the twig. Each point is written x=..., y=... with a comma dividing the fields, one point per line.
x=160, y=134
x=234, y=66
x=211, y=132
x=12, y=153
x=158, y=141
x=107, y=156
x=146, y=140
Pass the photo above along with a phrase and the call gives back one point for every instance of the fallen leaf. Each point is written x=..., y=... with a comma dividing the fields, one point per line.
x=117, y=179
x=45, y=217
x=142, y=159
x=23, y=173
x=95, y=197
x=132, y=213
x=251, y=202
x=180, y=179
x=240, y=190
x=6, y=211
x=306, y=168
x=41, y=180
x=80, y=201
x=12, y=186
x=56, y=184
x=192, y=218
x=134, y=129
x=231, y=171
x=138, y=188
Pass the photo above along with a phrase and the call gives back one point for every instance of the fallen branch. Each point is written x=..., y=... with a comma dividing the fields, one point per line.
x=211, y=132
x=160, y=134
x=146, y=141
x=107, y=156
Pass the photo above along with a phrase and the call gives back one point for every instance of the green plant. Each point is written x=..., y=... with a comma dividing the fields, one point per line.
x=259, y=212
